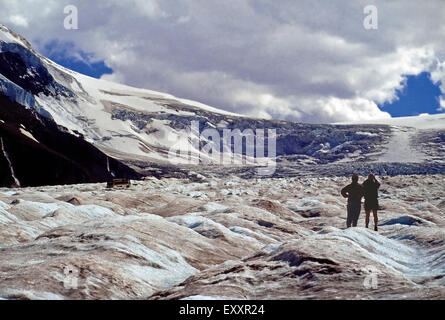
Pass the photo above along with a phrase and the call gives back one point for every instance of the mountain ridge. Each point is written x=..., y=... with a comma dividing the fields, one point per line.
x=141, y=127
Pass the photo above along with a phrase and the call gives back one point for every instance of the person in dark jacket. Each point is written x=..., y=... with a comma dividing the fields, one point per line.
x=354, y=192
x=371, y=187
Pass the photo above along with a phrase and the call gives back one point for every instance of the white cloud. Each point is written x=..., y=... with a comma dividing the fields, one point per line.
x=148, y=8
x=438, y=77
x=18, y=20
x=308, y=62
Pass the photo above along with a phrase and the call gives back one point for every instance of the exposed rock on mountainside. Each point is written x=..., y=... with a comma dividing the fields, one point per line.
x=37, y=151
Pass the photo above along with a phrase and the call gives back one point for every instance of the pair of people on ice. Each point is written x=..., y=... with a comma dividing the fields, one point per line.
x=354, y=193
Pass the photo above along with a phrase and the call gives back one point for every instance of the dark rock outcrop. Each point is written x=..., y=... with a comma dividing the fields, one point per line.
x=54, y=157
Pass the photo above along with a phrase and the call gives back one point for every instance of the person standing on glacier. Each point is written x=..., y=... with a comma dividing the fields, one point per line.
x=371, y=187
x=354, y=193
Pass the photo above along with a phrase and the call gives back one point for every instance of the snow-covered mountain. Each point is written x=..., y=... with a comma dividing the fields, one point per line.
x=120, y=119
x=142, y=127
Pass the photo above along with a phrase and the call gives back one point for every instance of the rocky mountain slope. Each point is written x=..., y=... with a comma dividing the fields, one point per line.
x=36, y=151
x=142, y=127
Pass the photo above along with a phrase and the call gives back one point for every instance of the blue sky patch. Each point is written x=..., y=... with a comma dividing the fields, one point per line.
x=65, y=54
x=420, y=95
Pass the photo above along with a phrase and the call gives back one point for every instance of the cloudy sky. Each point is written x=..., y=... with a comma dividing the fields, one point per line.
x=286, y=59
